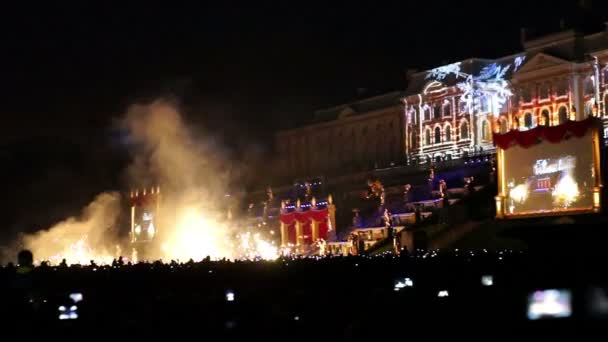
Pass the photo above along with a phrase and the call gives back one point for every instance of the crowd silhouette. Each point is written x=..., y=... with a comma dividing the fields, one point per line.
x=300, y=298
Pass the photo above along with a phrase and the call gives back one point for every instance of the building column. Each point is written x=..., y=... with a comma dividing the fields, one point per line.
x=299, y=236
x=315, y=230
x=577, y=95
x=284, y=236
x=331, y=212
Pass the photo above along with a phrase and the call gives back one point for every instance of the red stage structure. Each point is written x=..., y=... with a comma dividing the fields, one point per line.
x=303, y=225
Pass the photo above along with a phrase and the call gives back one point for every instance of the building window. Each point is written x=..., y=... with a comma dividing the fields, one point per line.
x=437, y=112
x=464, y=130
x=528, y=120
x=589, y=108
x=427, y=112
x=589, y=87
x=486, y=131
x=484, y=104
x=462, y=106
x=605, y=104
x=545, y=118
x=437, y=135
x=503, y=126
x=562, y=115
x=447, y=108
x=562, y=88
x=448, y=133
x=543, y=91
x=427, y=138
x=526, y=95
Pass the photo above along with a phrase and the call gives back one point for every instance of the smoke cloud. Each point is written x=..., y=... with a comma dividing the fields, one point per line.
x=80, y=239
x=193, y=176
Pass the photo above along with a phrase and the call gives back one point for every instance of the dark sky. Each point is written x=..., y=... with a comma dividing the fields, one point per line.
x=242, y=71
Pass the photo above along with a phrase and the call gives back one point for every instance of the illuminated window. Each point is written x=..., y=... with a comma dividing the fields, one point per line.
x=427, y=138
x=448, y=133
x=503, y=125
x=464, y=130
x=427, y=112
x=462, y=106
x=528, y=120
x=562, y=115
x=486, y=131
x=437, y=135
x=484, y=104
x=447, y=109
x=589, y=108
x=545, y=118
x=437, y=112
x=589, y=87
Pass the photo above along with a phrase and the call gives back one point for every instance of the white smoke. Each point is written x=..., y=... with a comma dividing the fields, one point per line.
x=193, y=177
x=92, y=235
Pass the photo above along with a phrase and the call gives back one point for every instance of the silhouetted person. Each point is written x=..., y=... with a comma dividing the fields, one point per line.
x=25, y=262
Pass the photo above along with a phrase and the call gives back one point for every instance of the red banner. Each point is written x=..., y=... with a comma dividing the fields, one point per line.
x=553, y=134
x=304, y=216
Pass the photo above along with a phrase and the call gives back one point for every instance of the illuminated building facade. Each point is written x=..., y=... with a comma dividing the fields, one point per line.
x=453, y=110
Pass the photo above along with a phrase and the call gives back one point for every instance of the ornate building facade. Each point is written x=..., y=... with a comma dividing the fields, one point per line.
x=452, y=110
x=348, y=138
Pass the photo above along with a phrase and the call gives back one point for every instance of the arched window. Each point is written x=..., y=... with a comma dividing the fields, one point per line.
x=486, y=131
x=414, y=114
x=448, y=133
x=427, y=137
x=528, y=120
x=503, y=126
x=545, y=118
x=437, y=112
x=562, y=115
x=447, y=108
x=464, y=130
x=437, y=135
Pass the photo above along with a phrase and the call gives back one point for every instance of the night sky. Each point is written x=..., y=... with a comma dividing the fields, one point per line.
x=241, y=71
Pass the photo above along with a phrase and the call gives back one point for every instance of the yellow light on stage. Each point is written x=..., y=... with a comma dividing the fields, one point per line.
x=596, y=199
x=595, y=109
x=573, y=113
x=499, y=213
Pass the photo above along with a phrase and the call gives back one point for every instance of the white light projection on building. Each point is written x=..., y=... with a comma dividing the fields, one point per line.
x=489, y=87
x=443, y=71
